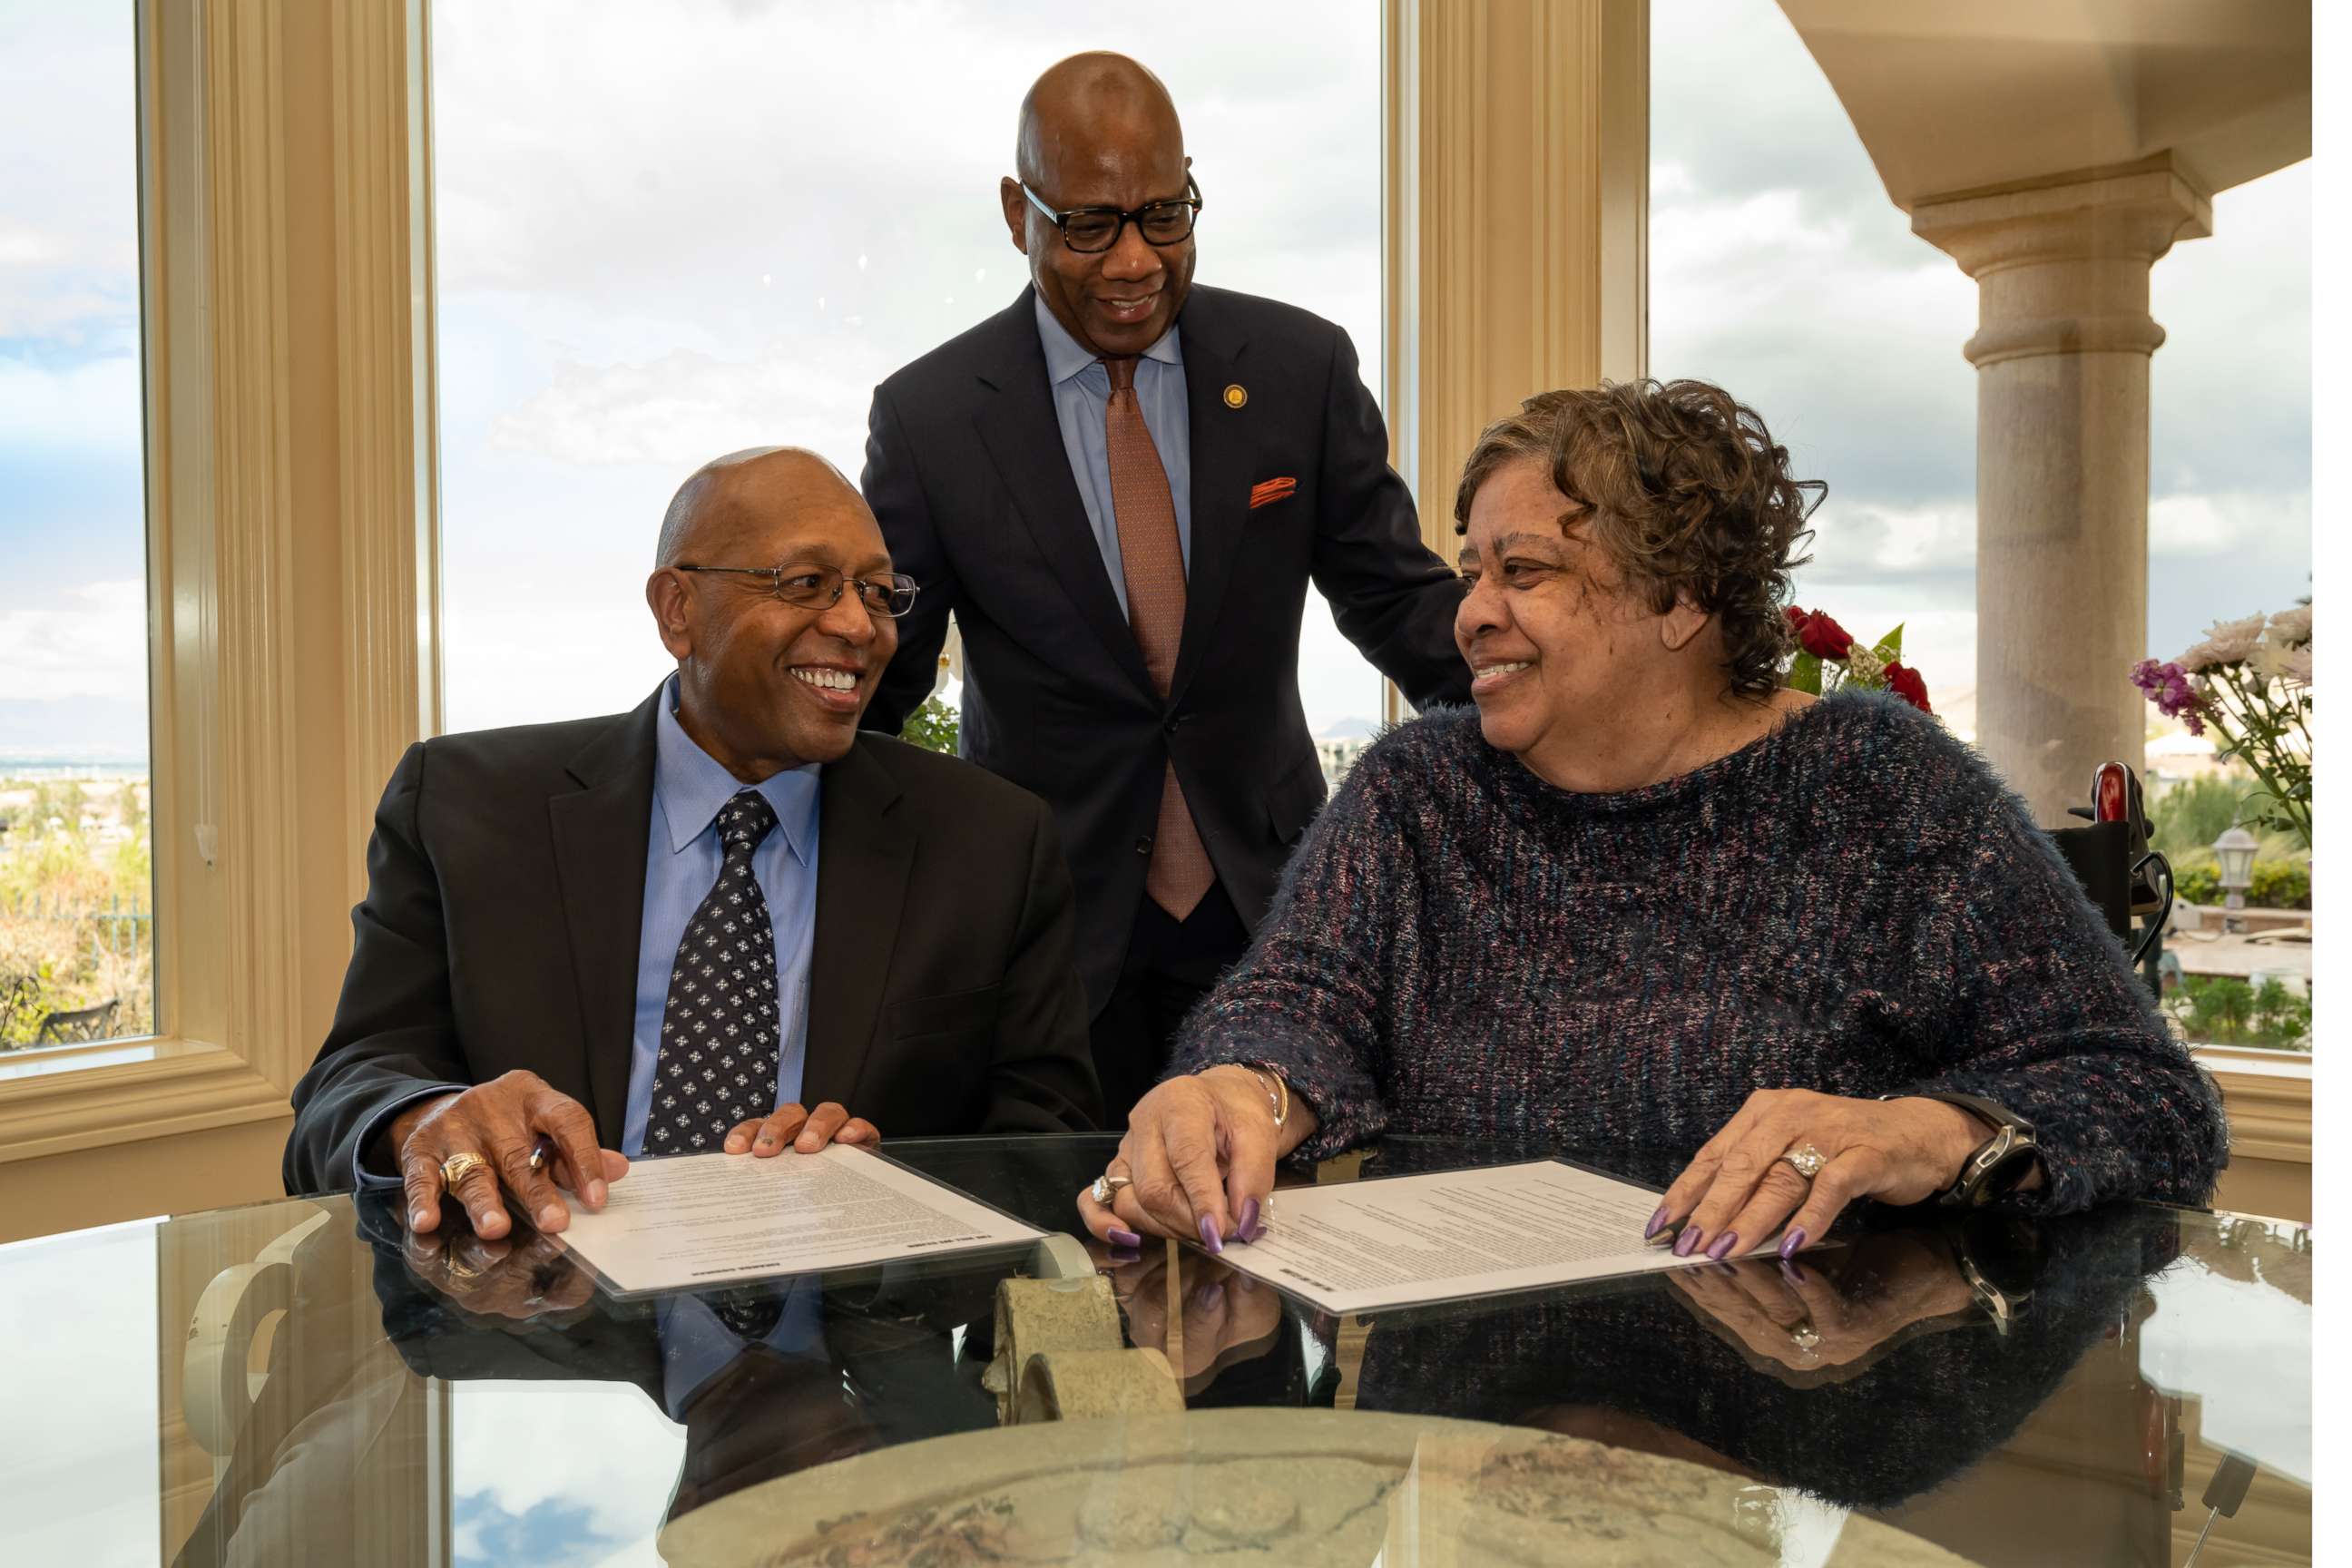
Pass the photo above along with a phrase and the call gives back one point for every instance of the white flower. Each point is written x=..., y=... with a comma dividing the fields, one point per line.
x=2298, y=665
x=1864, y=667
x=2226, y=642
x=2291, y=628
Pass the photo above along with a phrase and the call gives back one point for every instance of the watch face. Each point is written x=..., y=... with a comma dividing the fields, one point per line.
x=2008, y=1167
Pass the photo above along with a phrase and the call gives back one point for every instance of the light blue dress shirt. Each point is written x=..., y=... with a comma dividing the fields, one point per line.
x=1081, y=404
x=683, y=857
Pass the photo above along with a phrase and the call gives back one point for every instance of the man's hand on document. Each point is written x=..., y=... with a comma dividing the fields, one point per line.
x=477, y=1145
x=790, y=1127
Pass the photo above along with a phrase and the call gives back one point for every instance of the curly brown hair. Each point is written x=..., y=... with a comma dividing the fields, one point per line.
x=1686, y=492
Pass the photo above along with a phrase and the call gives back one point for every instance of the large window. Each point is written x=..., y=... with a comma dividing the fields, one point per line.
x=1782, y=270
x=664, y=236
x=75, y=932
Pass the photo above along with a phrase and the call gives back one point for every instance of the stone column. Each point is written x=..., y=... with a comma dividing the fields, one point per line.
x=2062, y=352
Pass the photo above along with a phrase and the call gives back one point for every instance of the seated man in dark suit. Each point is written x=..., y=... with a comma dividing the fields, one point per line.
x=665, y=932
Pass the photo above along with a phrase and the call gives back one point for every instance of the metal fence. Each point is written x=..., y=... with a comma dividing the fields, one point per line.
x=116, y=931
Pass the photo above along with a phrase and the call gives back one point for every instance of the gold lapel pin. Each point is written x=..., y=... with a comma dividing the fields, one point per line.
x=1236, y=394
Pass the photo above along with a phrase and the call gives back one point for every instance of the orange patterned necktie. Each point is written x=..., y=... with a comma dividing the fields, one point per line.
x=1151, y=559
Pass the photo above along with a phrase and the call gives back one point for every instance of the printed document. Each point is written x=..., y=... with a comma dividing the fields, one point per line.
x=1359, y=1246
x=699, y=1220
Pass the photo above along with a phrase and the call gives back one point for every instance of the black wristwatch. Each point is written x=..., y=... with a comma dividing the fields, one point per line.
x=1997, y=1166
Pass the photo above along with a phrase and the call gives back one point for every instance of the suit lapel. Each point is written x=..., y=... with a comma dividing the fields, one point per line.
x=1220, y=480
x=863, y=855
x=600, y=834
x=1024, y=438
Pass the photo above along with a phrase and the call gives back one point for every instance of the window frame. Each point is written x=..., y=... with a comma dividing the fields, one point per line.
x=285, y=222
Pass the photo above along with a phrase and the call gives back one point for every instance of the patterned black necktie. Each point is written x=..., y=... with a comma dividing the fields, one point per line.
x=720, y=1027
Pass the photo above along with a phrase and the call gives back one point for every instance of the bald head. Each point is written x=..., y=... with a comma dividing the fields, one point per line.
x=1081, y=103
x=741, y=492
x=1099, y=131
x=748, y=591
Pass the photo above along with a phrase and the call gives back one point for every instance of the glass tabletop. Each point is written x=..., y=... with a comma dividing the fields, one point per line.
x=300, y=1382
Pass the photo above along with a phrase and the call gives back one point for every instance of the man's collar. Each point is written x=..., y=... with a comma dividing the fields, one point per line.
x=690, y=785
x=1066, y=357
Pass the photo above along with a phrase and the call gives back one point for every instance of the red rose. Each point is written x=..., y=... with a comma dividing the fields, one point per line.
x=1823, y=638
x=1796, y=618
x=1904, y=682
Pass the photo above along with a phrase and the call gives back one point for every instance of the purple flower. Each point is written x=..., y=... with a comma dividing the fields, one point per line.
x=2166, y=685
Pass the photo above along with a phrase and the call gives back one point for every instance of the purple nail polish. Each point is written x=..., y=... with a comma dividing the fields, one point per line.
x=1121, y=1256
x=1211, y=1298
x=1246, y=1219
x=1126, y=1238
x=1256, y=1229
x=1657, y=1223
x=1687, y=1241
x=1723, y=1246
x=1792, y=1243
x=1208, y=1238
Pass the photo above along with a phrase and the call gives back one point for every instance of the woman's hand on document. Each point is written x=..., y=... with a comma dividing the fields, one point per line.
x=1197, y=1161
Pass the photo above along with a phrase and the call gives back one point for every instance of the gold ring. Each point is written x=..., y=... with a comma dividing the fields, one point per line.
x=1806, y=1160
x=457, y=1167
x=449, y=1261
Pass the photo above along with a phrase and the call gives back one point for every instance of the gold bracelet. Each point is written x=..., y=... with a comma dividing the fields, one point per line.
x=1280, y=1101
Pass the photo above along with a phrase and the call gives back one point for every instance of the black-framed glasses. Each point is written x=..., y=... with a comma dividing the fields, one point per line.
x=890, y=594
x=1089, y=231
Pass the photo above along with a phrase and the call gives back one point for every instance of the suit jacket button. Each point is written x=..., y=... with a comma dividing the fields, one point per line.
x=1143, y=844
x=1172, y=723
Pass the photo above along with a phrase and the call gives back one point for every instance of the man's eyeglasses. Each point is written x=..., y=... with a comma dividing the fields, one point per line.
x=890, y=594
x=1092, y=230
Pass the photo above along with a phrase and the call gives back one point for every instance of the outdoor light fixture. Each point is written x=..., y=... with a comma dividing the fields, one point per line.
x=2235, y=850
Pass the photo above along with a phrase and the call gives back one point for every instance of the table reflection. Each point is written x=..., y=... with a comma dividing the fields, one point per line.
x=1876, y=1371
x=2014, y=1391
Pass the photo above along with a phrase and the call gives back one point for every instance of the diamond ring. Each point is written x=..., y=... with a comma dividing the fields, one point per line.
x=1806, y=1160
x=1806, y=1337
x=1107, y=1187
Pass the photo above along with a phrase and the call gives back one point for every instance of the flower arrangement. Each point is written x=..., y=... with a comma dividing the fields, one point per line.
x=1829, y=657
x=2250, y=679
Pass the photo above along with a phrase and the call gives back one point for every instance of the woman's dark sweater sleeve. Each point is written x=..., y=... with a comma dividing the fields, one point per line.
x=1309, y=996
x=2031, y=1003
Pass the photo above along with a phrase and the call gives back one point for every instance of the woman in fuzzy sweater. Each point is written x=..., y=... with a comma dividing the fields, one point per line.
x=1644, y=896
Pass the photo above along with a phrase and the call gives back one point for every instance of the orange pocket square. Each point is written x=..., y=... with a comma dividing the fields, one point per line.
x=1269, y=492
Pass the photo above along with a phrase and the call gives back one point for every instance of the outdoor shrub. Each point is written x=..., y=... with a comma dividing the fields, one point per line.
x=2218, y=1010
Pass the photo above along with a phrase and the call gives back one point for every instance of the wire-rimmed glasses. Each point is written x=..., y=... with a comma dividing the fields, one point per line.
x=889, y=594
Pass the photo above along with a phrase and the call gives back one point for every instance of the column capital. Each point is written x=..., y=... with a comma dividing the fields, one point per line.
x=2136, y=212
x=2063, y=262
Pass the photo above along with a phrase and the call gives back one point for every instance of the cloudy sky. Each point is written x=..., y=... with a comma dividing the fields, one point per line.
x=657, y=244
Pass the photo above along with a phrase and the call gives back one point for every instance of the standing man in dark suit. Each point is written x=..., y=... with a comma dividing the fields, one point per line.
x=667, y=930
x=1122, y=486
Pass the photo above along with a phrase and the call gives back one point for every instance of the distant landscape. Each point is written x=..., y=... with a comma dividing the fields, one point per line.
x=77, y=899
